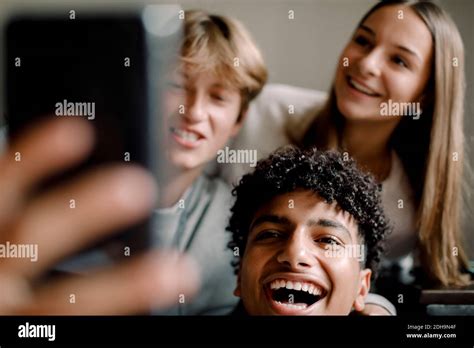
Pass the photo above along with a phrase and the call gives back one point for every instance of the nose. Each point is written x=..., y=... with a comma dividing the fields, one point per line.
x=370, y=63
x=295, y=253
x=196, y=107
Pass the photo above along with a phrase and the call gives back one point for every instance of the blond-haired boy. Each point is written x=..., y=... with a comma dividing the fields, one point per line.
x=219, y=72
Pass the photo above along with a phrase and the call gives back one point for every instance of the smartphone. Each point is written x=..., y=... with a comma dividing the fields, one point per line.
x=104, y=66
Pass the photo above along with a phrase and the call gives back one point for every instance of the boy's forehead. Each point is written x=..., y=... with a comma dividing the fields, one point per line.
x=215, y=75
x=301, y=206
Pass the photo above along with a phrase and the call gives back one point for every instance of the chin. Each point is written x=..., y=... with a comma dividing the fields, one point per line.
x=183, y=162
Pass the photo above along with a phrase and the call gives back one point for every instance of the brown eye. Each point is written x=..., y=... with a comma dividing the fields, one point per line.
x=328, y=240
x=399, y=61
x=361, y=41
x=269, y=234
x=218, y=97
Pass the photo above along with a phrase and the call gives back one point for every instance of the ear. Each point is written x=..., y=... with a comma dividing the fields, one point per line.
x=363, y=290
x=237, y=291
x=240, y=122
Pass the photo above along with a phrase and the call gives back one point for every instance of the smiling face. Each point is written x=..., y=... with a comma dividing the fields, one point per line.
x=287, y=268
x=389, y=57
x=202, y=114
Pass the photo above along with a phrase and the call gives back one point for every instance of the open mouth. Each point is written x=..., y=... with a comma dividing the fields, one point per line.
x=290, y=297
x=185, y=137
x=361, y=88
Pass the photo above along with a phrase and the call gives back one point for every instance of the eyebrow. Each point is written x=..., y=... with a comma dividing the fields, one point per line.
x=367, y=29
x=403, y=48
x=217, y=85
x=281, y=220
x=329, y=223
x=413, y=53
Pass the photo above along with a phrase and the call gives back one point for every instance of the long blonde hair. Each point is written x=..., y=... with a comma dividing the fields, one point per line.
x=431, y=148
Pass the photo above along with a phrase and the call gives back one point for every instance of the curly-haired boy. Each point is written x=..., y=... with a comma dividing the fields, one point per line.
x=309, y=228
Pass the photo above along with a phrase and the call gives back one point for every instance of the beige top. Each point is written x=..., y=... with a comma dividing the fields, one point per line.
x=399, y=206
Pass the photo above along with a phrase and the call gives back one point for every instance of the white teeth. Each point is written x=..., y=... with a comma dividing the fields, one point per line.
x=360, y=87
x=298, y=286
x=188, y=136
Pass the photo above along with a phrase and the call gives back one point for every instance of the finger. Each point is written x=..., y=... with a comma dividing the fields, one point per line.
x=41, y=151
x=14, y=292
x=158, y=280
x=105, y=199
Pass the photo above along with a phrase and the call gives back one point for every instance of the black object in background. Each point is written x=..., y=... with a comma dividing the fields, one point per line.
x=81, y=63
x=105, y=68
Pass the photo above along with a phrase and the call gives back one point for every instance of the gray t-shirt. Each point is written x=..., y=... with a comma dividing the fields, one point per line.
x=196, y=225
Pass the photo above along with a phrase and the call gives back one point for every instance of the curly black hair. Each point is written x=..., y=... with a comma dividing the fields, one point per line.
x=326, y=173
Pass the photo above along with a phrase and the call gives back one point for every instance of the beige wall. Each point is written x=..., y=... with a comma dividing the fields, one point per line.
x=302, y=51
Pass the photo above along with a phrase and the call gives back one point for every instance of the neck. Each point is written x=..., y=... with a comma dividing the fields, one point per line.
x=174, y=184
x=368, y=143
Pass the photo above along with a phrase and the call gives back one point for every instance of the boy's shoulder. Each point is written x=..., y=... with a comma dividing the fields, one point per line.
x=214, y=186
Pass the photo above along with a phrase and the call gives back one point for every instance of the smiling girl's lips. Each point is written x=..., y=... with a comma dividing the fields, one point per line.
x=186, y=138
x=359, y=89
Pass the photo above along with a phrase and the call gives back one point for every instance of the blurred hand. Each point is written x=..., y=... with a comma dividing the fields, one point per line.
x=107, y=199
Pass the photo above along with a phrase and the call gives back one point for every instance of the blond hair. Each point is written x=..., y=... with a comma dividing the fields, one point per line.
x=428, y=147
x=222, y=46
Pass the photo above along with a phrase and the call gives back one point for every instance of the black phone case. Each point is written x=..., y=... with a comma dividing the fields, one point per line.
x=58, y=67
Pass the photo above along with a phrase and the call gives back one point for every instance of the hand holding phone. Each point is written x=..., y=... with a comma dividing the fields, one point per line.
x=104, y=68
x=117, y=196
